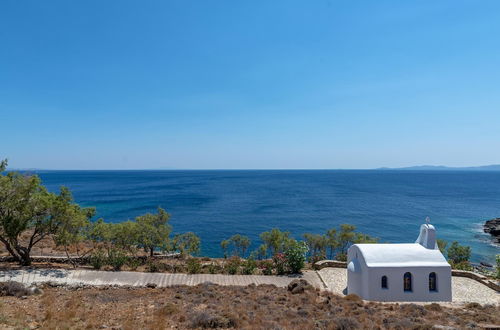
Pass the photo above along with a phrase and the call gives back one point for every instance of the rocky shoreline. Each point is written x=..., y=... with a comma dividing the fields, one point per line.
x=492, y=227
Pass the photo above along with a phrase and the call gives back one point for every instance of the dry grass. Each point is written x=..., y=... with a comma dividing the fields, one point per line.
x=212, y=306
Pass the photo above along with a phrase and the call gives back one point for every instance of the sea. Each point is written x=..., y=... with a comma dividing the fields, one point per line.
x=216, y=204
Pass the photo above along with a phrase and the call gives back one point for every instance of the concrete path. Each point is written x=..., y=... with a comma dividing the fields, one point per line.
x=95, y=277
x=463, y=289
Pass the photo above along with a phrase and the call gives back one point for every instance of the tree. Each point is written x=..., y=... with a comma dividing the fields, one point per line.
x=187, y=243
x=225, y=247
x=239, y=244
x=126, y=235
x=316, y=245
x=458, y=253
x=442, y=245
x=332, y=241
x=346, y=237
x=27, y=208
x=74, y=222
x=276, y=240
x=154, y=230
x=101, y=234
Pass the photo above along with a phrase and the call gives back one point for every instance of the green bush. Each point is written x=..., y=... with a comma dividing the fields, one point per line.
x=249, y=266
x=98, y=259
x=232, y=265
x=458, y=253
x=341, y=256
x=463, y=265
x=117, y=259
x=266, y=267
x=152, y=266
x=133, y=263
x=280, y=263
x=213, y=268
x=193, y=266
x=295, y=255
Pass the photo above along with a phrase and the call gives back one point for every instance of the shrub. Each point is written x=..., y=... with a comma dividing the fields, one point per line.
x=117, y=259
x=204, y=319
x=267, y=267
x=213, y=268
x=296, y=256
x=232, y=265
x=347, y=323
x=463, y=265
x=12, y=288
x=193, y=266
x=152, y=266
x=341, y=256
x=98, y=259
x=280, y=263
x=133, y=263
x=249, y=266
x=458, y=253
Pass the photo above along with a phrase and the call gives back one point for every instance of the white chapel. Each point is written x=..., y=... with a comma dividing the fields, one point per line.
x=400, y=272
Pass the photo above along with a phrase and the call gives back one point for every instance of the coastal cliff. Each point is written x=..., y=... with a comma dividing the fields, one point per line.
x=492, y=227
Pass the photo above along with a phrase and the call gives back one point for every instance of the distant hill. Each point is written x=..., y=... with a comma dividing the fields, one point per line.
x=445, y=168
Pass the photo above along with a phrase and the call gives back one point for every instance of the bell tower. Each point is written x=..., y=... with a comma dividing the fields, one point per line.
x=427, y=237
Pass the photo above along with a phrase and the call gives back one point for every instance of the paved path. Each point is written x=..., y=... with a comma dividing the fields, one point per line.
x=464, y=289
x=94, y=277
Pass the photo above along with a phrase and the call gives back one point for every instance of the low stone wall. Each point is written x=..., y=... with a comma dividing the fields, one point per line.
x=329, y=263
x=478, y=277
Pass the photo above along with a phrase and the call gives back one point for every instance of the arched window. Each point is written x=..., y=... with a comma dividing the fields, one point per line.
x=384, y=282
x=407, y=281
x=432, y=282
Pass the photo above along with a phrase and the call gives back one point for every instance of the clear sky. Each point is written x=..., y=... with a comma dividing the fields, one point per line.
x=249, y=84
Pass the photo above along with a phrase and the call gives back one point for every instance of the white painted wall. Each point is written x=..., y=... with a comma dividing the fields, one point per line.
x=365, y=281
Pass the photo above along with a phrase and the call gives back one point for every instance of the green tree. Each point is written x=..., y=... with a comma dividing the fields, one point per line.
x=316, y=245
x=332, y=241
x=187, y=243
x=276, y=240
x=459, y=253
x=442, y=245
x=346, y=237
x=261, y=251
x=154, y=230
x=27, y=208
x=126, y=235
x=101, y=234
x=74, y=223
x=238, y=243
x=225, y=247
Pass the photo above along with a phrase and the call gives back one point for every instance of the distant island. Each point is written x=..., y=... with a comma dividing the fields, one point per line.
x=489, y=168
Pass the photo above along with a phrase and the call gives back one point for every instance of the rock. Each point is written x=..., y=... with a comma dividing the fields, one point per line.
x=35, y=290
x=151, y=285
x=298, y=286
x=492, y=227
x=485, y=264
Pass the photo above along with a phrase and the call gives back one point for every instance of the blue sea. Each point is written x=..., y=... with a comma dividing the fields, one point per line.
x=387, y=204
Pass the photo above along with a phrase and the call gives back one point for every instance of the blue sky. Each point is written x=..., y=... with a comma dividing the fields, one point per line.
x=249, y=84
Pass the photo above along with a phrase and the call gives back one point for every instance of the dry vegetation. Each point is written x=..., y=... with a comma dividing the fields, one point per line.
x=211, y=306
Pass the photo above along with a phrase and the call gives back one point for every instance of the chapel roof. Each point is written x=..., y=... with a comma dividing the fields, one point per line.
x=400, y=255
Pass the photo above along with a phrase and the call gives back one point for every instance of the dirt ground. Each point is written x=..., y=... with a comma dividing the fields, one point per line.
x=212, y=306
